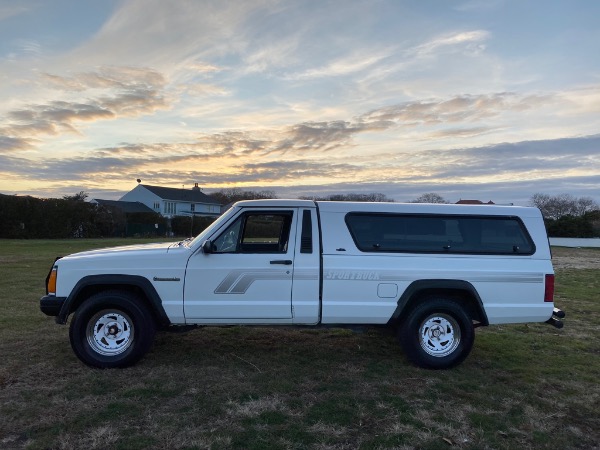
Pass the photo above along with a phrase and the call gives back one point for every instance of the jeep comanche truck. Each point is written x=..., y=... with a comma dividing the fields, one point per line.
x=432, y=272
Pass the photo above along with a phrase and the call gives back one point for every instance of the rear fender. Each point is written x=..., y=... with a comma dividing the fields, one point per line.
x=462, y=291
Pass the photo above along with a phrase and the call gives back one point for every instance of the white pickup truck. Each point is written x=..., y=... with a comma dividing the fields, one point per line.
x=433, y=272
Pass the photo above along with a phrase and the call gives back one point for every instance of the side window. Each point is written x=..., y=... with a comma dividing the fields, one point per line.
x=228, y=241
x=506, y=236
x=419, y=233
x=259, y=232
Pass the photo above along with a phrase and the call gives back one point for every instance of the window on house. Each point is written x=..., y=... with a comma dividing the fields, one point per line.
x=170, y=208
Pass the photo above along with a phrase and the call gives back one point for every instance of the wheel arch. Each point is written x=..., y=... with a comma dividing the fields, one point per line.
x=461, y=291
x=135, y=284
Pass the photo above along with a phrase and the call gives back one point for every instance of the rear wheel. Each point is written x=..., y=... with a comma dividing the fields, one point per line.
x=437, y=333
x=112, y=329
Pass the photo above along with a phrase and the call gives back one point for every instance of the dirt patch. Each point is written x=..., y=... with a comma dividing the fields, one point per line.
x=575, y=258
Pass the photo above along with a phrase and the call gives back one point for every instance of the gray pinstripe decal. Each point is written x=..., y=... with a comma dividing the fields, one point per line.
x=238, y=281
x=491, y=278
x=506, y=277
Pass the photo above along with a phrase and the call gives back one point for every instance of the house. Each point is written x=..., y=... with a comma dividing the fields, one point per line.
x=171, y=202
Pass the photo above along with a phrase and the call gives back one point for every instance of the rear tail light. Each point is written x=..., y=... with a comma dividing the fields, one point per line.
x=549, y=289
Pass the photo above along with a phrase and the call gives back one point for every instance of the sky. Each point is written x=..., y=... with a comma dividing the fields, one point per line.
x=471, y=99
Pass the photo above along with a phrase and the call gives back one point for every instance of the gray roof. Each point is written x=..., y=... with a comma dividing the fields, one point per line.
x=126, y=207
x=194, y=195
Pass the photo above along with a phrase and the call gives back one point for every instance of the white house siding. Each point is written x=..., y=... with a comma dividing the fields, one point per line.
x=143, y=195
x=180, y=208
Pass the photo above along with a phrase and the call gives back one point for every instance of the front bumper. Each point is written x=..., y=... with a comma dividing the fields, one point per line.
x=51, y=304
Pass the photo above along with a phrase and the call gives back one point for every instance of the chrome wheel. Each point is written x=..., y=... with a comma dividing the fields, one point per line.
x=439, y=335
x=110, y=333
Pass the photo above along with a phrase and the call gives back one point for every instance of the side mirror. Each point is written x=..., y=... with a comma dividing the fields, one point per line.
x=207, y=247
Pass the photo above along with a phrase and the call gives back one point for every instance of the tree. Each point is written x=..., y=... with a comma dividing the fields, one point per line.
x=568, y=216
x=541, y=201
x=430, y=197
x=230, y=195
x=571, y=226
x=586, y=205
x=557, y=206
x=81, y=196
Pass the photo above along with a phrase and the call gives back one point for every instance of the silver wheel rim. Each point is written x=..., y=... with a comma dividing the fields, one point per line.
x=439, y=335
x=110, y=333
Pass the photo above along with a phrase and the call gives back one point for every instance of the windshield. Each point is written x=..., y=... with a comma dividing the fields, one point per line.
x=213, y=226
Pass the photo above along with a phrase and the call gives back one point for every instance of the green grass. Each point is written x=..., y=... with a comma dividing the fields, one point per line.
x=523, y=386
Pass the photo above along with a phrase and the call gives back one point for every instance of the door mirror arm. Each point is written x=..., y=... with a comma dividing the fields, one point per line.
x=207, y=247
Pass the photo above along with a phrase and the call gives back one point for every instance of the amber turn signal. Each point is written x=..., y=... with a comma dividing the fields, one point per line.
x=51, y=286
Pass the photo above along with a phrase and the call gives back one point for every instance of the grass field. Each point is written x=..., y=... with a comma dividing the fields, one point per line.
x=523, y=386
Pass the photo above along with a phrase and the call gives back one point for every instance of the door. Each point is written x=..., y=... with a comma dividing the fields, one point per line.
x=246, y=275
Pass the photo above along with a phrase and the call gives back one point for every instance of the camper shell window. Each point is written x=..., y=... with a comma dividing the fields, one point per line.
x=430, y=233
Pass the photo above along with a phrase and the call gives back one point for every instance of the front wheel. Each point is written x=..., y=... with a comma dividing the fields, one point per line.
x=437, y=334
x=111, y=329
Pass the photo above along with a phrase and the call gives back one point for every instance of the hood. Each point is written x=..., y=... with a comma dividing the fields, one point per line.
x=141, y=250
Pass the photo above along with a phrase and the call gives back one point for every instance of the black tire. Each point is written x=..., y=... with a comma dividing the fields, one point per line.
x=112, y=329
x=437, y=333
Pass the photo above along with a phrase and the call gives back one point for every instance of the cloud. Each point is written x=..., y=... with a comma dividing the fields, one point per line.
x=273, y=54
x=343, y=66
x=462, y=108
x=214, y=160
x=134, y=102
x=27, y=48
x=324, y=136
x=170, y=35
x=316, y=136
x=468, y=40
x=298, y=146
x=11, y=144
x=119, y=92
x=461, y=132
x=108, y=77
x=543, y=159
x=52, y=118
x=202, y=67
x=12, y=8
x=204, y=90
x=479, y=5
x=290, y=171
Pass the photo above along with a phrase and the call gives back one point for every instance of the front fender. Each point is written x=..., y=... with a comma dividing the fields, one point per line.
x=95, y=283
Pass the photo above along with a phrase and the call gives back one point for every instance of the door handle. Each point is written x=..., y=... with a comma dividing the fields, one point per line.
x=285, y=262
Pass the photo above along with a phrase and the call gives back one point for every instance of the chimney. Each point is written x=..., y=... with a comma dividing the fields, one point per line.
x=196, y=188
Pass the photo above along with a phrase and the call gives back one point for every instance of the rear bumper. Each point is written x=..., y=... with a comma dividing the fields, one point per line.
x=554, y=320
x=51, y=304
